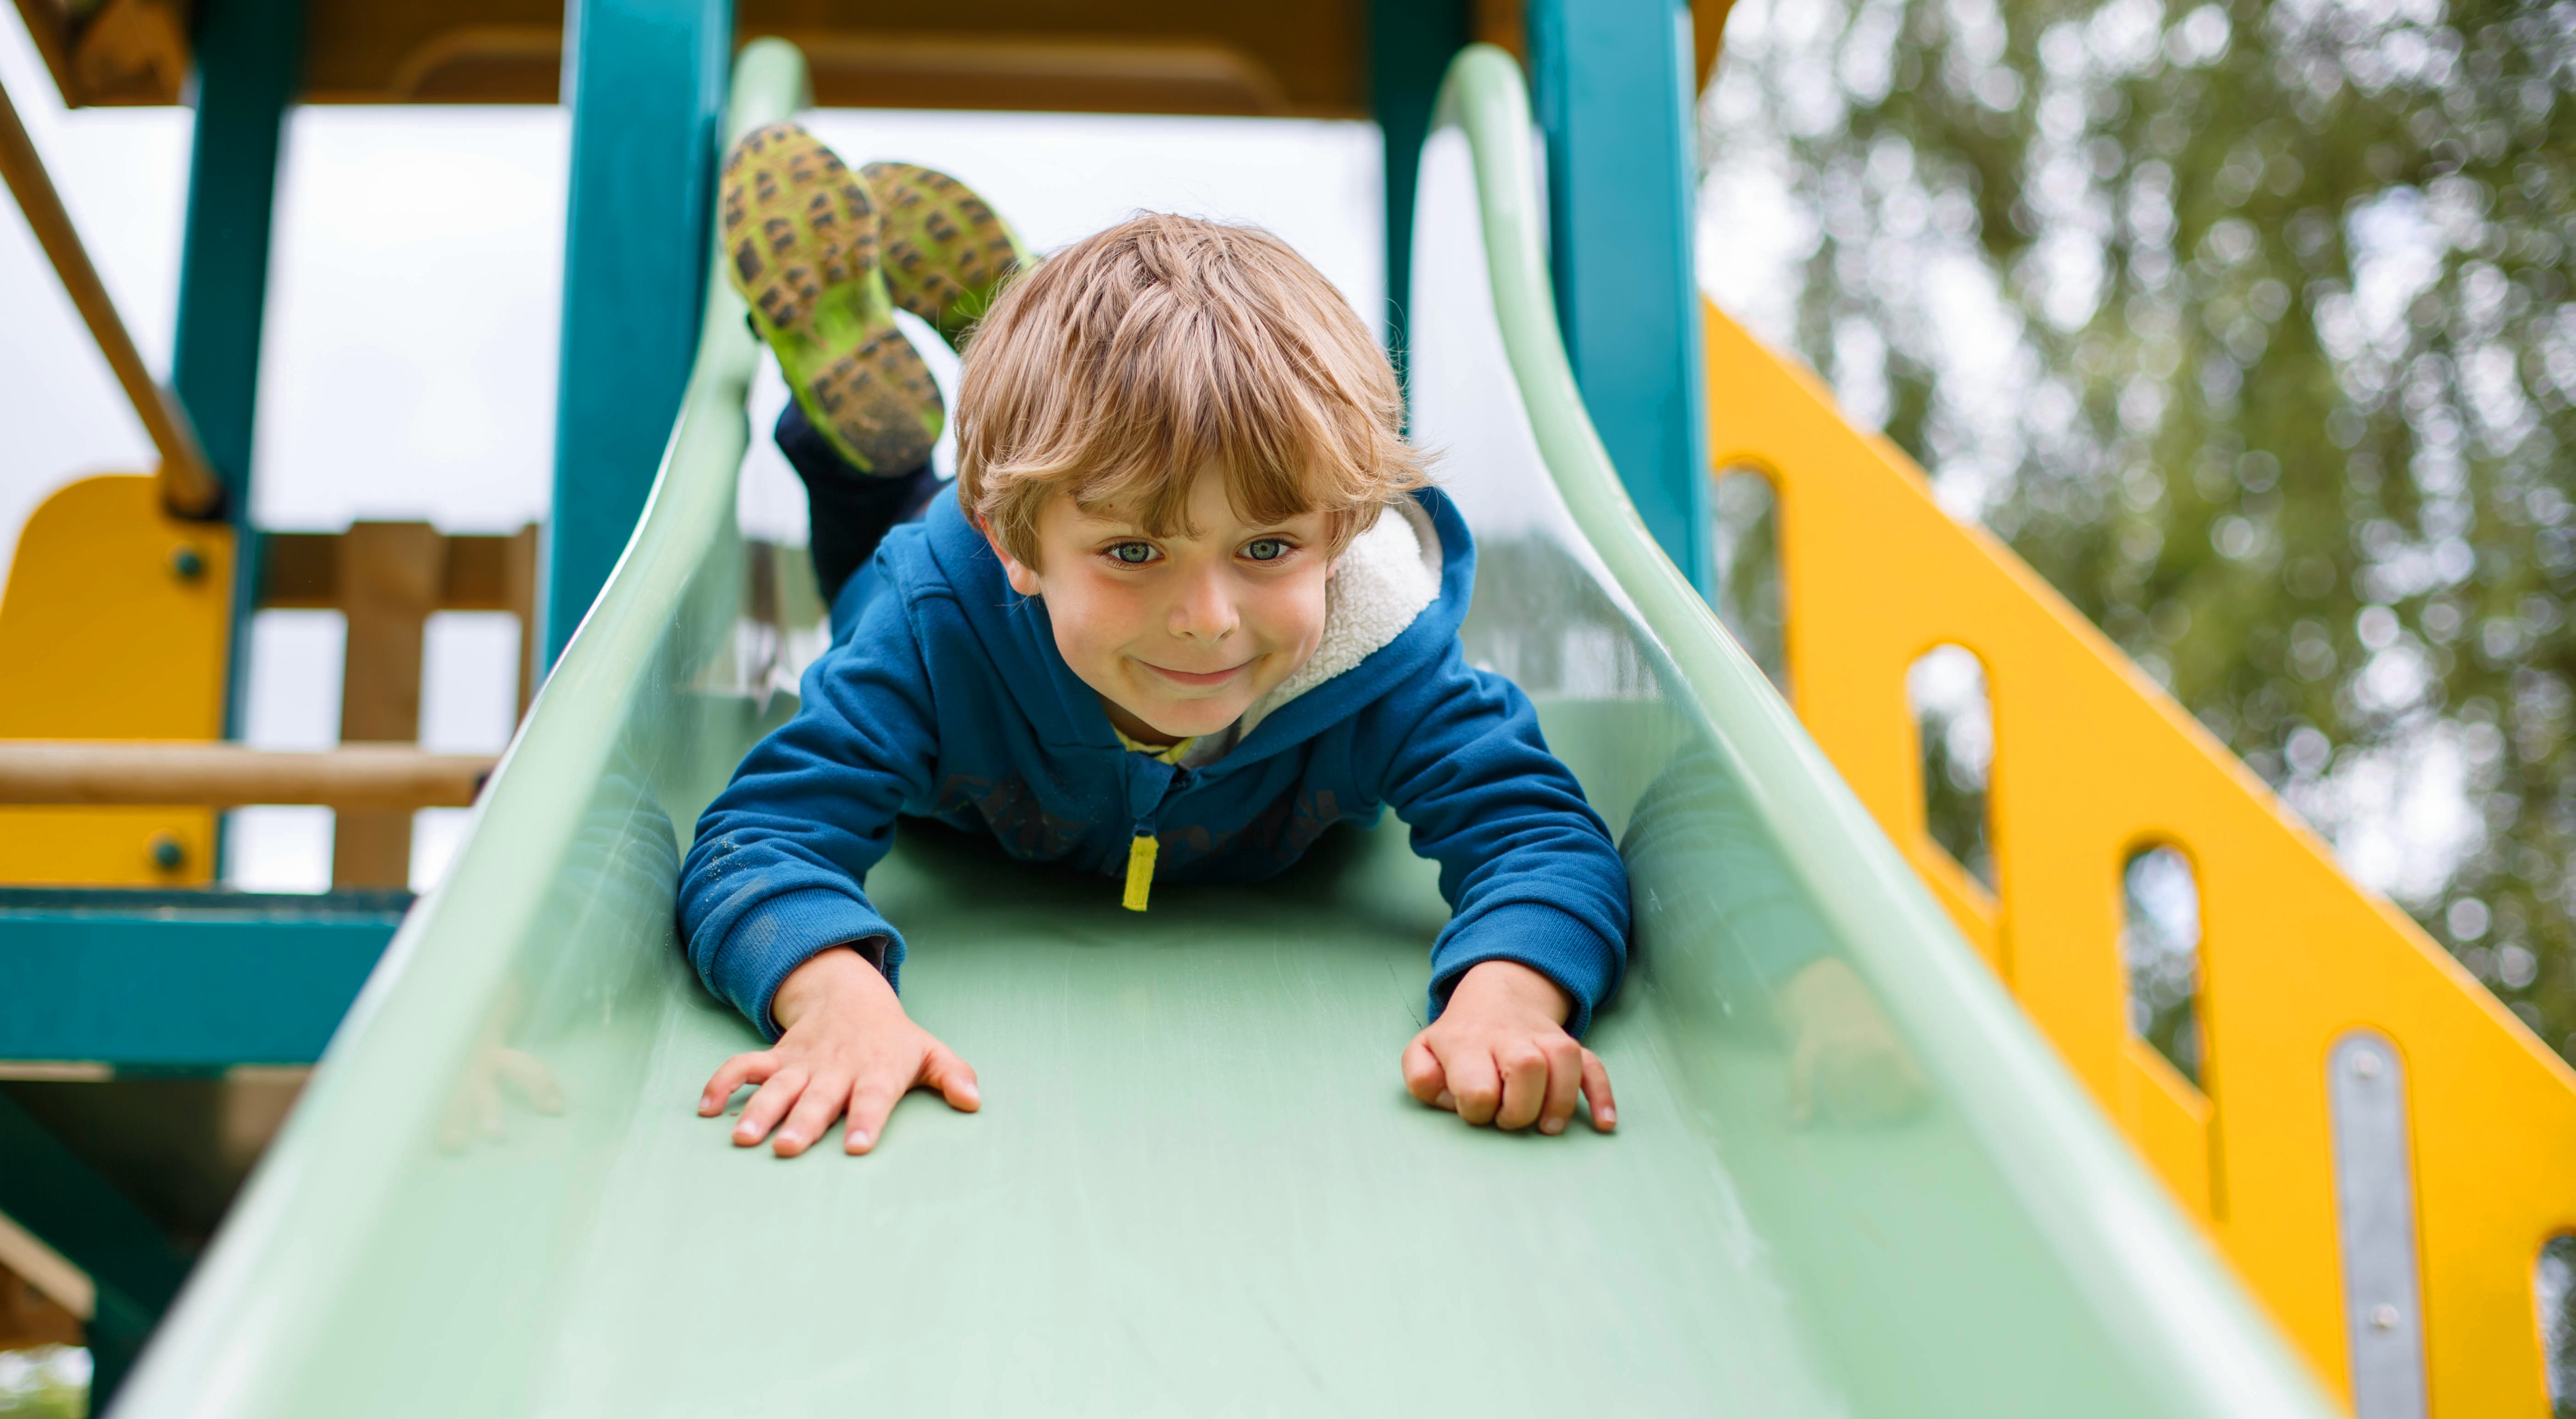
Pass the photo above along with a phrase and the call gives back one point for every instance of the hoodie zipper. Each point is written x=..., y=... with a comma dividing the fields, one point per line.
x=1140, y=865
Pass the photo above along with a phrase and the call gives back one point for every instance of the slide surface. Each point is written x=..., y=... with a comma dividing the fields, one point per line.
x=1197, y=1186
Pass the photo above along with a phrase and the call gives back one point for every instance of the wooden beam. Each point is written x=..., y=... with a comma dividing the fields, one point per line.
x=1708, y=36
x=188, y=486
x=300, y=571
x=378, y=779
x=49, y=24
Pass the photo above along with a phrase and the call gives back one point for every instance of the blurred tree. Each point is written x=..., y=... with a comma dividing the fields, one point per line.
x=2248, y=324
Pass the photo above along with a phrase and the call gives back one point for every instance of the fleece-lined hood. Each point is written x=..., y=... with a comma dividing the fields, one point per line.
x=947, y=698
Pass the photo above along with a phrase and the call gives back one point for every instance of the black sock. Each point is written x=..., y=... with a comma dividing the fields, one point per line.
x=849, y=512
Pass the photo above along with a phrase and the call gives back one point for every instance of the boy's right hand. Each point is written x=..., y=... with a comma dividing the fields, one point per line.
x=847, y=1047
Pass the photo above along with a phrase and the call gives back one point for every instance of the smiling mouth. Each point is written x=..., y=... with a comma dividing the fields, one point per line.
x=1192, y=677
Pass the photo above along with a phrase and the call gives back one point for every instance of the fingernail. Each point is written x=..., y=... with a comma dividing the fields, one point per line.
x=971, y=1094
x=789, y=1138
x=1446, y=1100
x=858, y=1140
x=1553, y=1125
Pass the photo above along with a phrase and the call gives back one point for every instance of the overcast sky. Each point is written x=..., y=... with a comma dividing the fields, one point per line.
x=408, y=368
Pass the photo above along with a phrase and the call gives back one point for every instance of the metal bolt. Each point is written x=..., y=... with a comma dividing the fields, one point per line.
x=2383, y=1317
x=2365, y=1062
x=187, y=563
x=168, y=853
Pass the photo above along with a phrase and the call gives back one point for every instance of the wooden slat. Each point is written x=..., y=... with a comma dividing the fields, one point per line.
x=519, y=594
x=378, y=778
x=390, y=576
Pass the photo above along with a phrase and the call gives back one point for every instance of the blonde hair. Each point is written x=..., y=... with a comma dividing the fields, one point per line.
x=1137, y=357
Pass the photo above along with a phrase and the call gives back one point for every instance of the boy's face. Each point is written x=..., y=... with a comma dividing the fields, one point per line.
x=1178, y=634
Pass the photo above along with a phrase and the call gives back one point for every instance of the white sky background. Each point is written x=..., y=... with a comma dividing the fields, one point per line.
x=408, y=366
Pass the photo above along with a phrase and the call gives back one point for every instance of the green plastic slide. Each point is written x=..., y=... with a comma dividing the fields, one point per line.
x=1848, y=1178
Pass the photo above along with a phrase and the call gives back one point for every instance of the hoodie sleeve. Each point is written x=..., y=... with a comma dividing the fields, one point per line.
x=1527, y=867
x=773, y=877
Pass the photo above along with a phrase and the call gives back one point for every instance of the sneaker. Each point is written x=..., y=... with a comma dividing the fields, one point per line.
x=946, y=249
x=801, y=234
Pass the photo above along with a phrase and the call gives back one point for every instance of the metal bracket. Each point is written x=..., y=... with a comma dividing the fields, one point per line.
x=2375, y=1222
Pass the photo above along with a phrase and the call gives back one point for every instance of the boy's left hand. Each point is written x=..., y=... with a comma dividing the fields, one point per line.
x=1500, y=1054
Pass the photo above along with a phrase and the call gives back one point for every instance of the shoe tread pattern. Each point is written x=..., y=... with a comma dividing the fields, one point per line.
x=946, y=250
x=801, y=237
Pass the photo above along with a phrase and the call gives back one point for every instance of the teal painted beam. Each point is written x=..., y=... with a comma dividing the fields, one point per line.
x=1410, y=45
x=49, y=1191
x=645, y=80
x=249, y=54
x=184, y=980
x=1613, y=87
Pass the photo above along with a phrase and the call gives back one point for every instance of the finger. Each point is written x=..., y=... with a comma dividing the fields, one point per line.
x=752, y=1068
x=1564, y=1085
x=1524, y=1085
x=870, y=1105
x=1423, y=1078
x=768, y=1106
x=1475, y=1088
x=954, y=1078
x=1596, y=1092
x=812, y=1117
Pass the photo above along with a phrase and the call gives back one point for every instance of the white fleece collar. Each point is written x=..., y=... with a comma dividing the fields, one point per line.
x=1388, y=576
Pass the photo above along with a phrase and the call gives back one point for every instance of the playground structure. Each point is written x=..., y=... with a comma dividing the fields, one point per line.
x=2376, y=1147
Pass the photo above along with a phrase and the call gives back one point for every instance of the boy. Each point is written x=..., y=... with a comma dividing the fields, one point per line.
x=1190, y=603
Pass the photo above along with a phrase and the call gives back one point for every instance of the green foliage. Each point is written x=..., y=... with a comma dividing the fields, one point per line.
x=51, y=1382
x=2248, y=325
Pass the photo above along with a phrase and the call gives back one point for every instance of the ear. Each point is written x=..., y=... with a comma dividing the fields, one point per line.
x=1023, y=577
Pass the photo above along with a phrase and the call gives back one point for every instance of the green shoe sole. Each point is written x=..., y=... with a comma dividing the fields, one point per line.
x=946, y=250
x=801, y=240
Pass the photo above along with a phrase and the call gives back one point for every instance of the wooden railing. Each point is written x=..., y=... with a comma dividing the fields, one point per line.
x=2377, y=1144
x=188, y=485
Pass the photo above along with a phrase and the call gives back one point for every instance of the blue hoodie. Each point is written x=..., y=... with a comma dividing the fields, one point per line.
x=948, y=699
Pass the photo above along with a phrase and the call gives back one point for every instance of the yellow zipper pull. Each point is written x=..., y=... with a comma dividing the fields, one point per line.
x=1140, y=870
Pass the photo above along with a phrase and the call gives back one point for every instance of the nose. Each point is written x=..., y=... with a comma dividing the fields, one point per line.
x=1204, y=610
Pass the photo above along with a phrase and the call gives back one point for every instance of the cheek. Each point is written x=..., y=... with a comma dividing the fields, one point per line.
x=1290, y=613
x=1093, y=619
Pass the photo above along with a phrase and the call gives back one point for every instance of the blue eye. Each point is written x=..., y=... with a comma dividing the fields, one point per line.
x=1265, y=549
x=1134, y=554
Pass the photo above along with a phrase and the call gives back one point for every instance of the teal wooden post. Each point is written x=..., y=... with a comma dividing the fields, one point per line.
x=248, y=52
x=248, y=55
x=1612, y=84
x=646, y=83
x=1410, y=45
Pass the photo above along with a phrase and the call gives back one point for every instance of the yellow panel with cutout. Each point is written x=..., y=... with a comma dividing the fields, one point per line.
x=2093, y=762
x=115, y=625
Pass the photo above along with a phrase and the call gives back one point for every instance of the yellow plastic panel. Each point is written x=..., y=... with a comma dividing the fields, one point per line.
x=114, y=626
x=2092, y=762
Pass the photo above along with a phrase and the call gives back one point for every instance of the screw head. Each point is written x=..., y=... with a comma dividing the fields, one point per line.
x=168, y=853
x=186, y=562
x=2383, y=1317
